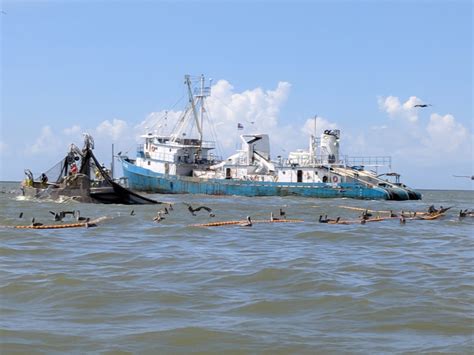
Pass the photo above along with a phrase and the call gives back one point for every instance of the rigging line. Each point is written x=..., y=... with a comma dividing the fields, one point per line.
x=166, y=112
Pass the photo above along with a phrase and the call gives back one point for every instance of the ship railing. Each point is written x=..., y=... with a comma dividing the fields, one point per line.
x=209, y=144
x=371, y=161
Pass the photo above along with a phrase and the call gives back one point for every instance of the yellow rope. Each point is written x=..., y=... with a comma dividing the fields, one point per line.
x=60, y=226
x=227, y=223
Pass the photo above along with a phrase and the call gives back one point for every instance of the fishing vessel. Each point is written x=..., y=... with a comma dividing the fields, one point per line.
x=182, y=163
x=80, y=177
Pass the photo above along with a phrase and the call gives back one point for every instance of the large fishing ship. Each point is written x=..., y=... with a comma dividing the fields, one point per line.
x=180, y=163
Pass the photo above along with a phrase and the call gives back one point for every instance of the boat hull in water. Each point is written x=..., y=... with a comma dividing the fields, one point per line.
x=142, y=179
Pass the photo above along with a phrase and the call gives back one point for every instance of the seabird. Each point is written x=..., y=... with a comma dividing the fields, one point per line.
x=21, y=215
x=166, y=211
x=392, y=215
x=35, y=224
x=422, y=105
x=321, y=220
x=170, y=207
x=272, y=218
x=158, y=217
x=402, y=219
x=282, y=213
x=77, y=215
x=463, y=213
x=247, y=223
x=132, y=213
x=192, y=210
x=58, y=216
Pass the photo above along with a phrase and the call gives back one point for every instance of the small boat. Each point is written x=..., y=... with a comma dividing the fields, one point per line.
x=80, y=176
x=183, y=162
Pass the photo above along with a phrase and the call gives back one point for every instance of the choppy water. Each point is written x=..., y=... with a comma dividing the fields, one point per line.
x=132, y=285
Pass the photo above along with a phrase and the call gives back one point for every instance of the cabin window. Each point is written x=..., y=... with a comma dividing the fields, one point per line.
x=227, y=173
x=325, y=178
x=149, y=162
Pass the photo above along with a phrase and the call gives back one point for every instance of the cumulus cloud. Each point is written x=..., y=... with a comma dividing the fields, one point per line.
x=46, y=143
x=395, y=109
x=74, y=130
x=445, y=133
x=427, y=141
x=114, y=130
x=257, y=110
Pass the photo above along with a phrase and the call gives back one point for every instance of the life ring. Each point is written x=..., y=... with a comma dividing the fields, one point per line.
x=335, y=179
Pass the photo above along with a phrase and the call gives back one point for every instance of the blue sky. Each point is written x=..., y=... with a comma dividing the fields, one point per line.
x=105, y=67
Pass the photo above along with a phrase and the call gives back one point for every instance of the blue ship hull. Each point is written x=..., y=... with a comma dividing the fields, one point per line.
x=146, y=180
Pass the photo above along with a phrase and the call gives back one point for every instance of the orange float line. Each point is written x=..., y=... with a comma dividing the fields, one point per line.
x=54, y=226
x=228, y=223
x=60, y=226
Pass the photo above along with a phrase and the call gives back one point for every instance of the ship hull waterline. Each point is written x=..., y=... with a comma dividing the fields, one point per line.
x=142, y=179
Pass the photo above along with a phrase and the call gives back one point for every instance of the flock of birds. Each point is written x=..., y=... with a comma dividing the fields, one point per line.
x=366, y=216
x=61, y=215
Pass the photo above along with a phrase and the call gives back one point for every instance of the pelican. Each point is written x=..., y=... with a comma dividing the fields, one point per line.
x=247, y=223
x=282, y=213
x=422, y=105
x=35, y=224
x=158, y=217
x=77, y=214
x=58, y=216
x=193, y=210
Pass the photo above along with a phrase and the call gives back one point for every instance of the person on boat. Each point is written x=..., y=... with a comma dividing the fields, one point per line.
x=44, y=179
x=73, y=168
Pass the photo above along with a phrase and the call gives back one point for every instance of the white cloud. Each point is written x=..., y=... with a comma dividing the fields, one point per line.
x=322, y=124
x=46, y=143
x=445, y=134
x=114, y=130
x=74, y=130
x=257, y=110
x=428, y=142
x=395, y=109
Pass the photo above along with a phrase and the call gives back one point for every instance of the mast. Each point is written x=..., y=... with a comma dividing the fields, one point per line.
x=112, y=163
x=312, y=142
x=193, y=106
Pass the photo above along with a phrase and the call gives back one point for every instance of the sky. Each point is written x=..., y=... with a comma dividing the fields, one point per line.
x=114, y=69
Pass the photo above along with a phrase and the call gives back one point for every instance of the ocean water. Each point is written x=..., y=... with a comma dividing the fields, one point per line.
x=131, y=285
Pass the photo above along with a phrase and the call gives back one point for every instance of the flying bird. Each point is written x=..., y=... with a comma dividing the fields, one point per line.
x=423, y=105
x=465, y=176
x=193, y=210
